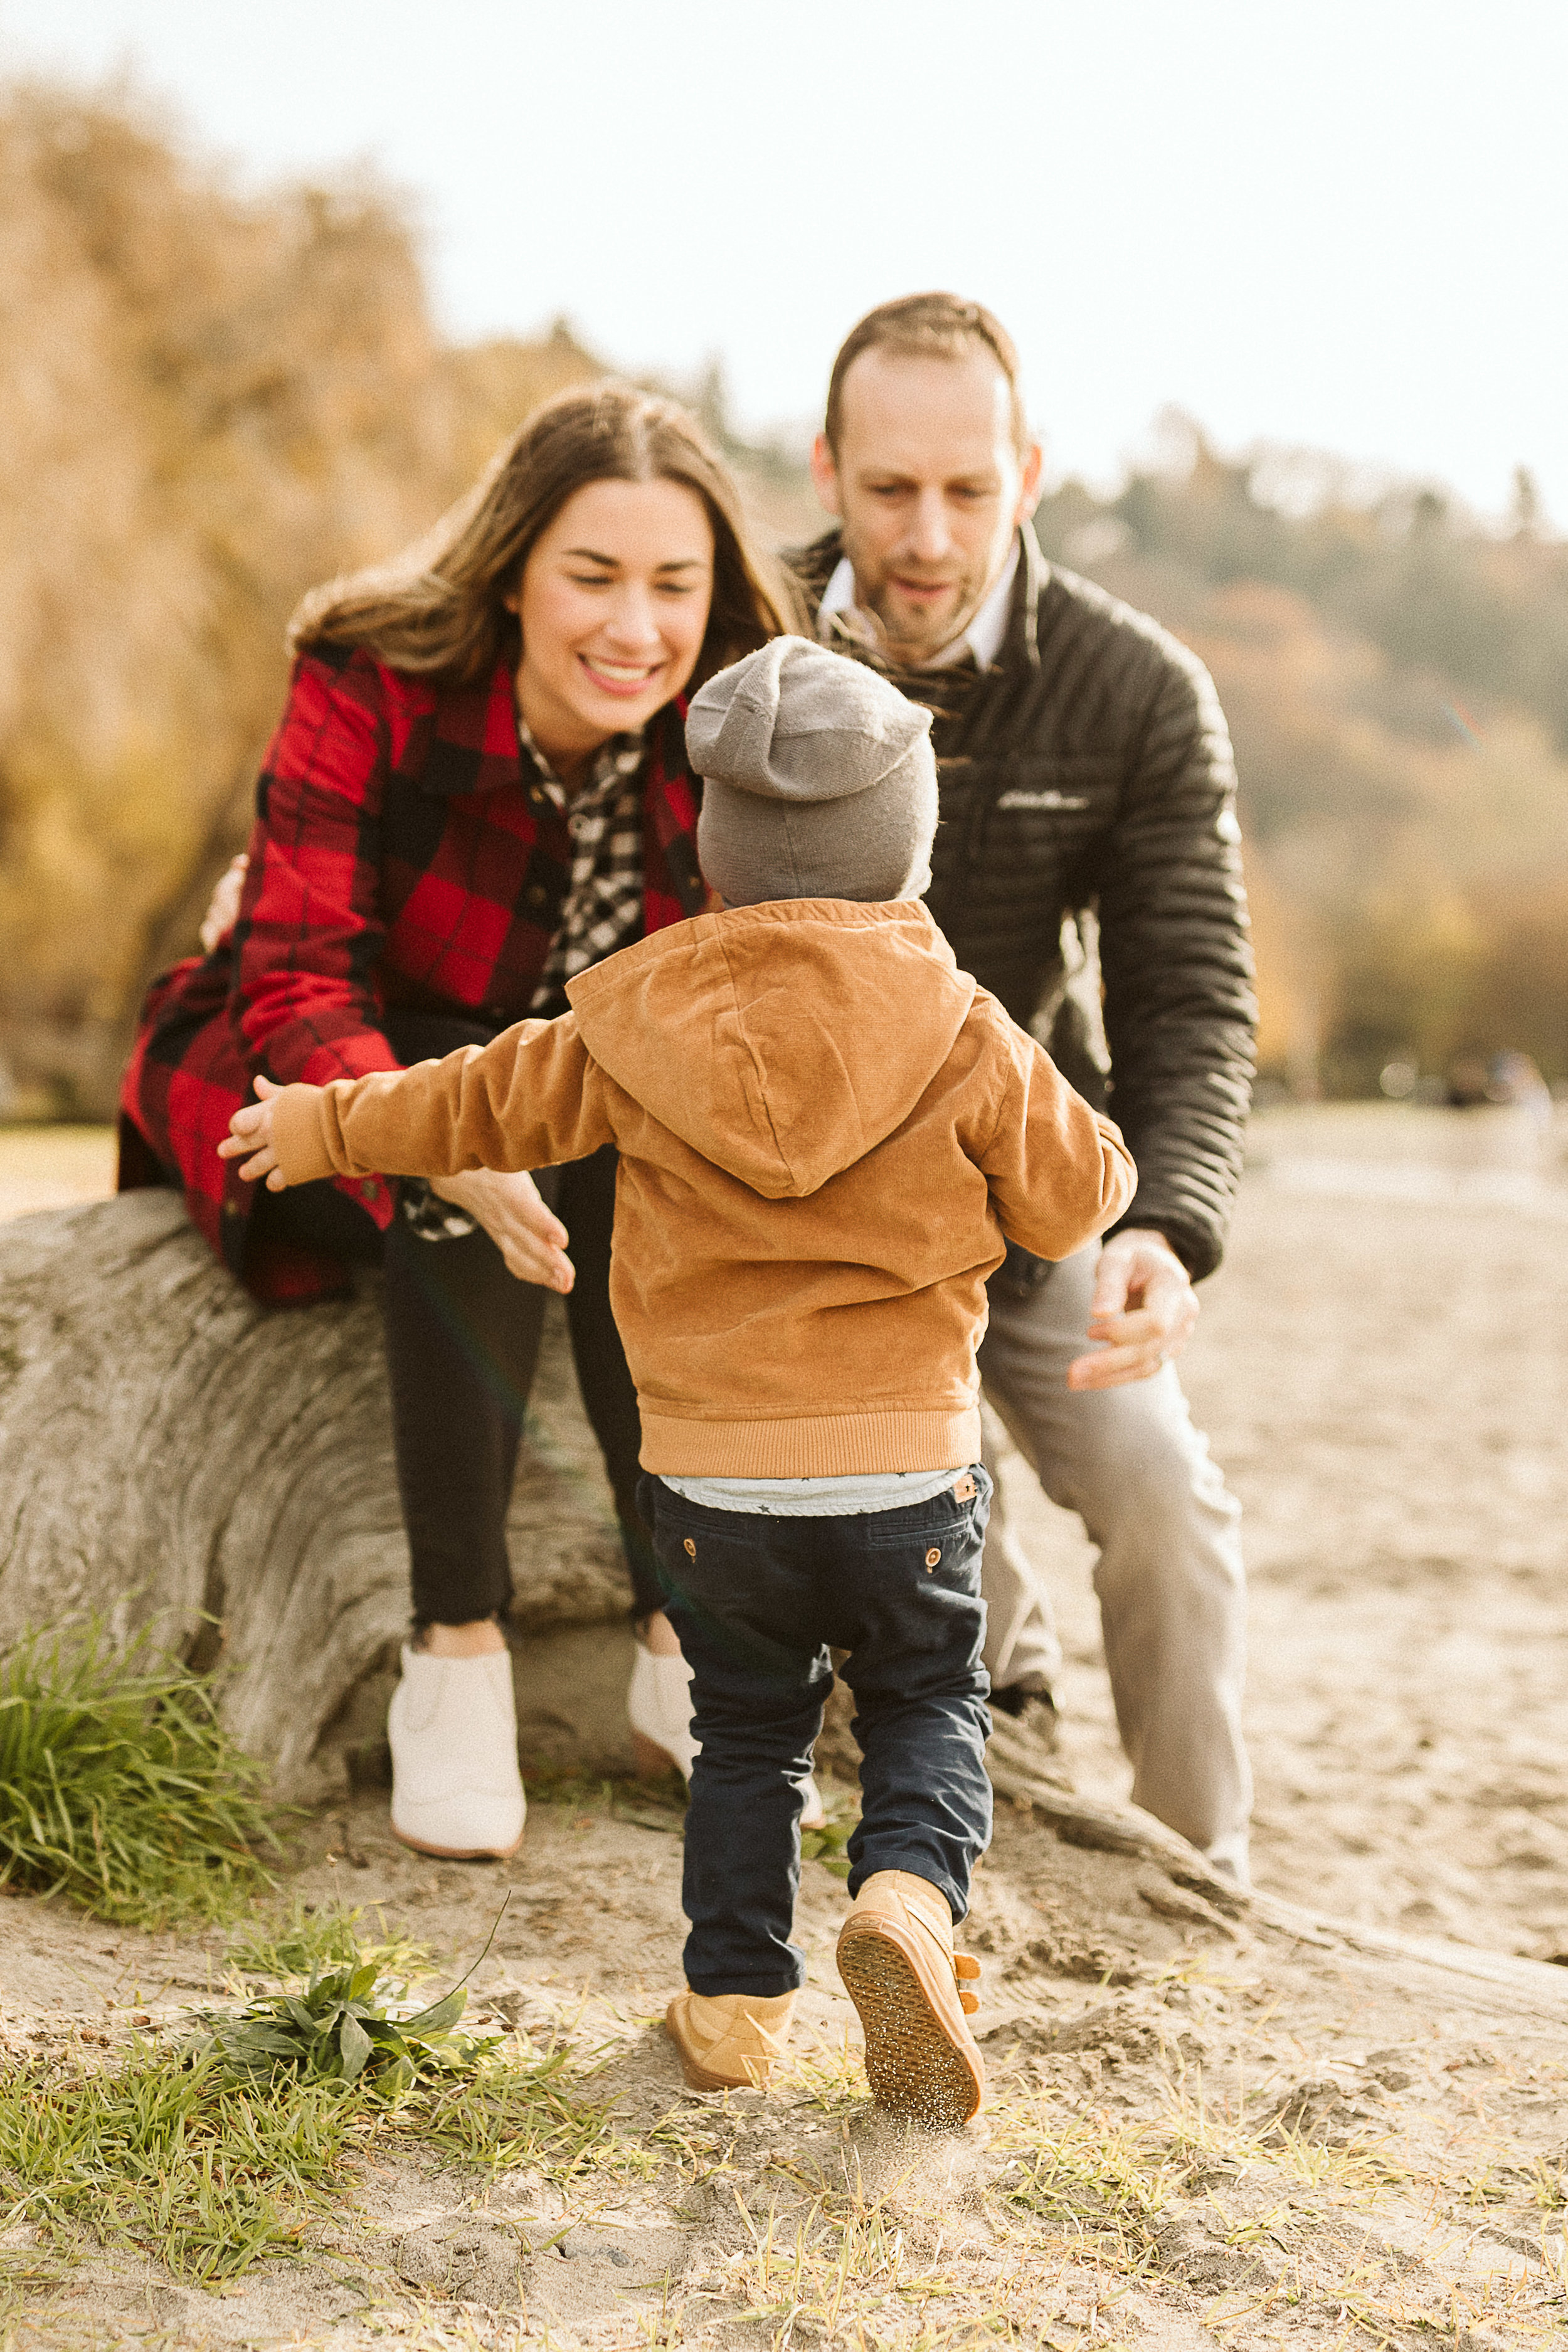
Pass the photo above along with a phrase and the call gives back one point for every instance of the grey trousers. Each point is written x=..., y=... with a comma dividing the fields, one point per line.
x=1170, y=1580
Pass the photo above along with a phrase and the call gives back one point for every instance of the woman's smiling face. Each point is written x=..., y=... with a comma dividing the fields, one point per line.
x=613, y=608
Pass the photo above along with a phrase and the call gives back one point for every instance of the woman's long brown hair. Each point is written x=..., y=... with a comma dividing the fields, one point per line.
x=437, y=610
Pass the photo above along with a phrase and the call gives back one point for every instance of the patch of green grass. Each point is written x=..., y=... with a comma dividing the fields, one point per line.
x=215, y=2157
x=652, y=1804
x=162, y=2158
x=830, y=2076
x=533, y=2114
x=1089, y=2180
x=315, y=1936
x=119, y=1787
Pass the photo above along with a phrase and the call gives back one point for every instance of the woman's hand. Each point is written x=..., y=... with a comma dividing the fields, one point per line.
x=223, y=907
x=250, y=1130
x=531, y=1238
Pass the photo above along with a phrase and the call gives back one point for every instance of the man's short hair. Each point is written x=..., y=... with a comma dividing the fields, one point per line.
x=928, y=326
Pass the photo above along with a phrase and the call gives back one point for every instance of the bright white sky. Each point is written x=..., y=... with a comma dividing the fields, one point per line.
x=1340, y=222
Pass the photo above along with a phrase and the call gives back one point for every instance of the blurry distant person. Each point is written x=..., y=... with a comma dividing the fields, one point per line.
x=1085, y=767
x=479, y=789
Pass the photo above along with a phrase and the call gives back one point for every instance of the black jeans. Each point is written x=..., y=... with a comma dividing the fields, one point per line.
x=757, y=1603
x=462, y=1344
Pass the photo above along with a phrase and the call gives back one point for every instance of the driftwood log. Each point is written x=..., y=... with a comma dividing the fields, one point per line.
x=172, y=1453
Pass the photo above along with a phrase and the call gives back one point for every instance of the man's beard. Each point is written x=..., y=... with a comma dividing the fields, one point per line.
x=910, y=639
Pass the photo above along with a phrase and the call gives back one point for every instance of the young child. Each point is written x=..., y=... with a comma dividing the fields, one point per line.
x=826, y=1133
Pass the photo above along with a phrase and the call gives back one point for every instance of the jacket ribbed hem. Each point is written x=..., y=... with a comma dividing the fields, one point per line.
x=828, y=1445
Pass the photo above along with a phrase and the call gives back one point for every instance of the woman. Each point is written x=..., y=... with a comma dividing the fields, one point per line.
x=478, y=789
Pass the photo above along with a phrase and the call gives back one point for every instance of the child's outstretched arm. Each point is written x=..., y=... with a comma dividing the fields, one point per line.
x=1059, y=1173
x=529, y=1098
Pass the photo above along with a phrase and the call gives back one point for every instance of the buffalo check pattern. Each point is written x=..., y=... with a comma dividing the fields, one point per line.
x=409, y=851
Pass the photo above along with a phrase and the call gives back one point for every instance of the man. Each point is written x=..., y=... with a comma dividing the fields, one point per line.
x=1085, y=768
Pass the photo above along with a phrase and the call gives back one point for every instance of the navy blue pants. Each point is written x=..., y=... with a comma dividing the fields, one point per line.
x=758, y=1602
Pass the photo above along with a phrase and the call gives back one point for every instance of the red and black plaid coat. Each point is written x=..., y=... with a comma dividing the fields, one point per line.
x=404, y=854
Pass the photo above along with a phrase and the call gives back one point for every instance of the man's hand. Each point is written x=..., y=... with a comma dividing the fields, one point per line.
x=531, y=1238
x=250, y=1130
x=1144, y=1309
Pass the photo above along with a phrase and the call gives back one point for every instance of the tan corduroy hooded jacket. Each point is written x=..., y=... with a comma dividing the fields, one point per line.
x=826, y=1131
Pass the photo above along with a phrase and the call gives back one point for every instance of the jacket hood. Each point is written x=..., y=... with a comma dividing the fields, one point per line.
x=782, y=1042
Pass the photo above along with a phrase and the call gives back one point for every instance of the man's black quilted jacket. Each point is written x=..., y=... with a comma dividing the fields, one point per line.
x=1090, y=768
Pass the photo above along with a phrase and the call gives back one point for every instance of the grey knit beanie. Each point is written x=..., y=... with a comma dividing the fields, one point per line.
x=819, y=780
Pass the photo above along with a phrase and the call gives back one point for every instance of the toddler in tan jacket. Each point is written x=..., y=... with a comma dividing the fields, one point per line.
x=826, y=1134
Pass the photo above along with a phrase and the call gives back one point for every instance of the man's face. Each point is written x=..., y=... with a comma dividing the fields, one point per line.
x=929, y=486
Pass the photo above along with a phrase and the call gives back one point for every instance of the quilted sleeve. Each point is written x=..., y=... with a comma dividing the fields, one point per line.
x=1176, y=962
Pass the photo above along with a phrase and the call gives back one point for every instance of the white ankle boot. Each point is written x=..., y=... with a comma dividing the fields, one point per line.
x=456, y=1788
x=658, y=1704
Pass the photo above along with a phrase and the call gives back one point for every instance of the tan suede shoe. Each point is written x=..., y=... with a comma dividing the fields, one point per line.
x=729, y=2040
x=897, y=1961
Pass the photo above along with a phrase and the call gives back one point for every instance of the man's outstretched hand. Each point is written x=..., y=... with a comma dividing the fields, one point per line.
x=250, y=1130
x=1144, y=1310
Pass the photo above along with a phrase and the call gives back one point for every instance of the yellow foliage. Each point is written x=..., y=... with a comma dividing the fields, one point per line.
x=210, y=402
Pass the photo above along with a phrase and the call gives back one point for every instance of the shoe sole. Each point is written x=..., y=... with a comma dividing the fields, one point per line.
x=915, y=2065
x=459, y=1852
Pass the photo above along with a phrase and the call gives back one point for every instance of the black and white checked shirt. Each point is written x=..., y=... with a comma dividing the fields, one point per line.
x=603, y=911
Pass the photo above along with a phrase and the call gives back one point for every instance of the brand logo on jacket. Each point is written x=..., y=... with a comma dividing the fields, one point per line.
x=1022, y=799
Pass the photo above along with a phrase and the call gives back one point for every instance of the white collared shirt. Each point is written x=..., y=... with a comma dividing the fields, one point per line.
x=982, y=638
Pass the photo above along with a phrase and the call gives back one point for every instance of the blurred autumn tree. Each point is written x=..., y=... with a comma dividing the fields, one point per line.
x=209, y=402
x=1396, y=679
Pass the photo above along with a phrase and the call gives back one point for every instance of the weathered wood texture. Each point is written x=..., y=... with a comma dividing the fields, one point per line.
x=170, y=1450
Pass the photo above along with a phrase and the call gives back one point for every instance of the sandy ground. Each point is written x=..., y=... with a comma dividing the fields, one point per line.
x=54, y=1167
x=1382, y=1369
x=1333, y=2149
x=1352, y=2147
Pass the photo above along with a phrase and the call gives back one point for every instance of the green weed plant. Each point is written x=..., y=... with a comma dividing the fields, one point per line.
x=119, y=1787
x=827, y=1845
x=345, y=2027
x=218, y=2156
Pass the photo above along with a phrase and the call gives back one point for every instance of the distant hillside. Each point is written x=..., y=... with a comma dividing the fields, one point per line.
x=1396, y=680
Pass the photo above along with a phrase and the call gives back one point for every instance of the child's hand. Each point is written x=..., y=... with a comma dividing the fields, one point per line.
x=250, y=1130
